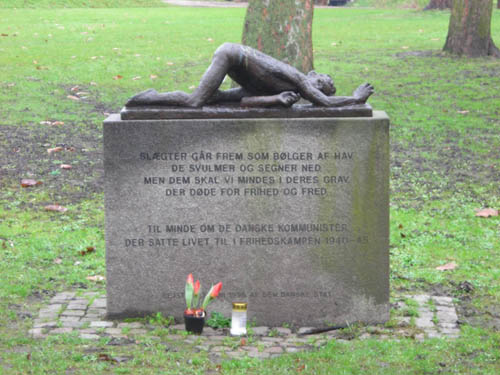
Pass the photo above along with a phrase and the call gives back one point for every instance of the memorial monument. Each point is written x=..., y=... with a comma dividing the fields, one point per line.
x=287, y=204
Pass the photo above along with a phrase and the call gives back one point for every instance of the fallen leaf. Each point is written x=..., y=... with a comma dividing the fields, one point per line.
x=105, y=357
x=93, y=84
x=170, y=63
x=118, y=77
x=243, y=342
x=71, y=148
x=487, y=212
x=35, y=62
x=5, y=34
x=94, y=57
x=400, y=226
x=434, y=39
x=405, y=47
x=72, y=97
x=45, y=123
x=96, y=278
x=27, y=182
x=210, y=40
x=56, y=208
x=75, y=89
x=55, y=149
x=334, y=44
x=136, y=78
x=11, y=84
x=403, y=235
x=153, y=76
x=58, y=123
x=463, y=112
x=88, y=250
x=137, y=55
x=447, y=266
x=57, y=261
x=65, y=166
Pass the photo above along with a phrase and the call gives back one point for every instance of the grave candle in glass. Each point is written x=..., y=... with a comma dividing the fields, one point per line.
x=239, y=319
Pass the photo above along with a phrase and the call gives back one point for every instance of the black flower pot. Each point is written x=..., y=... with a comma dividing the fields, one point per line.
x=194, y=324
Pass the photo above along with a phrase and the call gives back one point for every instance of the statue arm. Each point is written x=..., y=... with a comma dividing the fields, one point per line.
x=315, y=96
x=286, y=99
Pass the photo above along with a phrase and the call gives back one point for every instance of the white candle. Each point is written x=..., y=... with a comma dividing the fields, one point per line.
x=239, y=319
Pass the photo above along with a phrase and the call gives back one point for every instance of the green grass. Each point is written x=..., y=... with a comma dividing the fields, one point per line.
x=444, y=165
x=416, y=4
x=79, y=3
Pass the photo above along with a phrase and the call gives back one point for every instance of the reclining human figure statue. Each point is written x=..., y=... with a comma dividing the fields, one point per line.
x=264, y=82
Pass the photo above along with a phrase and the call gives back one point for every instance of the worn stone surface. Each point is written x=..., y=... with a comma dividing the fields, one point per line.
x=101, y=324
x=304, y=245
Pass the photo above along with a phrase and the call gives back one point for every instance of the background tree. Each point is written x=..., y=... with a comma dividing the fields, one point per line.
x=439, y=4
x=469, y=32
x=282, y=29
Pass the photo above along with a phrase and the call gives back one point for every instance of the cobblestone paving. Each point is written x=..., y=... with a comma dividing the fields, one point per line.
x=84, y=314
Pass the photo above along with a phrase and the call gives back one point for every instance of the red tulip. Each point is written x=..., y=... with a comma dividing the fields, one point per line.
x=216, y=290
x=188, y=291
x=196, y=287
x=212, y=294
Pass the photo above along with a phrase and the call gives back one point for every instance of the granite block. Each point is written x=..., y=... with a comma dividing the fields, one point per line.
x=291, y=214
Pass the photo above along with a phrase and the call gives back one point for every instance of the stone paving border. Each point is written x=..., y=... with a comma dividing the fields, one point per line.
x=426, y=317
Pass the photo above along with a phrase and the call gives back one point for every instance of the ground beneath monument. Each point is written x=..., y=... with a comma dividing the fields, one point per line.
x=83, y=313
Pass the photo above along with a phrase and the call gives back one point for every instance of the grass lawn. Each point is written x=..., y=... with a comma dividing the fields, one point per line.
x=62, y=70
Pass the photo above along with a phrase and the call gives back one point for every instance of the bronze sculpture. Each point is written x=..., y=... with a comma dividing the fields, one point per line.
x=264, y=82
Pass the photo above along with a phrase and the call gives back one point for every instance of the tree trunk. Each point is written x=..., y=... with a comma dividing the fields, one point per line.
x=498, y=4
x=281, y=29
x=439, y=4
x=469, y=32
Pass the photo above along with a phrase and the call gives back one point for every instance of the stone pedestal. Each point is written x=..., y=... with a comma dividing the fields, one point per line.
x=292, y=215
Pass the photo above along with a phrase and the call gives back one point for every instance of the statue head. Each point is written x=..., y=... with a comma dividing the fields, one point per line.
x=322, y=82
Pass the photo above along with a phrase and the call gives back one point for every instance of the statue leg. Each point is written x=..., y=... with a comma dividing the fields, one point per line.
x=153, y=98
x=206, y=91
x=212, y=78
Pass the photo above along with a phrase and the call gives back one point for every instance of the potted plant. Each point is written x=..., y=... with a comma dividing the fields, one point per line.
x=194, y=316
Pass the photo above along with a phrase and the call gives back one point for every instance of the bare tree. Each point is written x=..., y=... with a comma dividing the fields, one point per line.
x=281, y=29
x=469, y=31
